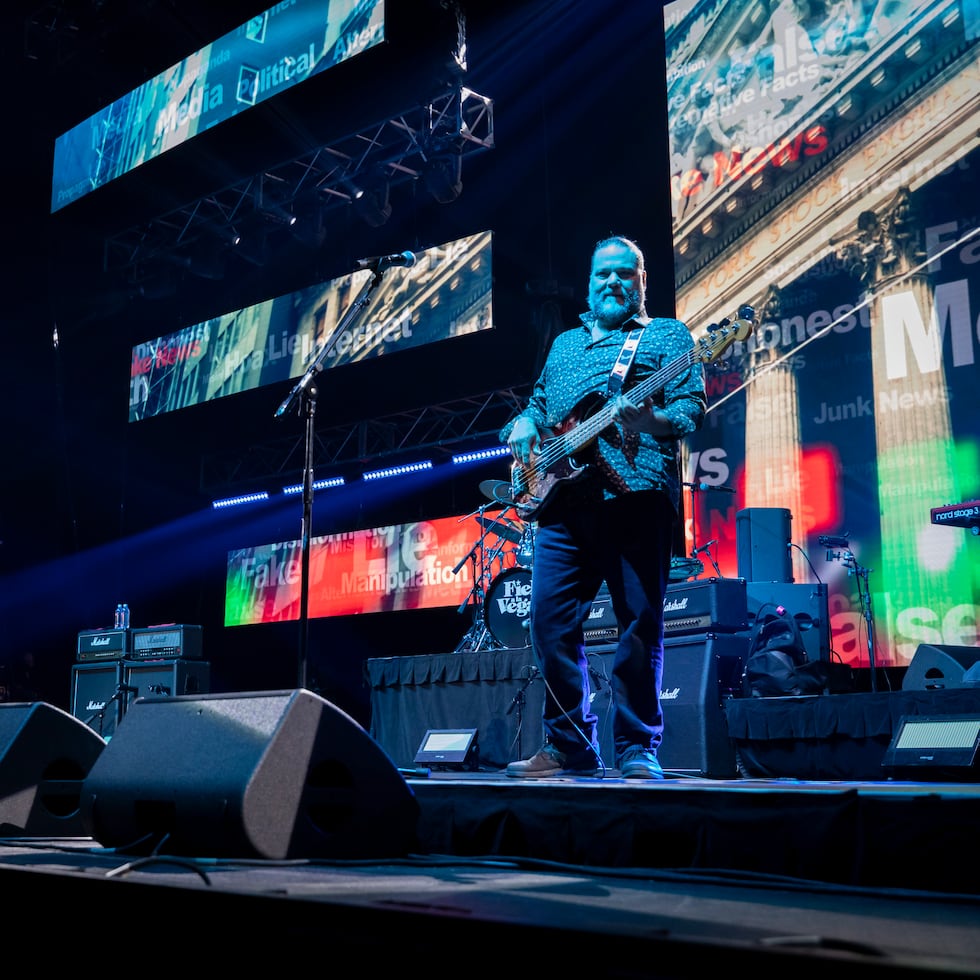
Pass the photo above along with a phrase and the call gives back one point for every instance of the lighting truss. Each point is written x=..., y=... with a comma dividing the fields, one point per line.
x=437, y=429
x=398, y=148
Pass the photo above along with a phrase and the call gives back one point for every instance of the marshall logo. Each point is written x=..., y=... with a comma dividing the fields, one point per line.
x=675, y=605
x=95, y=706
x=100, y=641
x=672, y=695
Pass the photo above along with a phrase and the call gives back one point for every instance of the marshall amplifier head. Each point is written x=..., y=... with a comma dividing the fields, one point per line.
x=102, y=645
x=169, y=642
x=717, y=605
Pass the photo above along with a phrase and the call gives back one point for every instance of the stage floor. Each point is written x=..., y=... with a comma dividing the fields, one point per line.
x=620, y=879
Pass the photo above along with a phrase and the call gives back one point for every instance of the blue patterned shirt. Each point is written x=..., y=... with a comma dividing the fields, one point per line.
x=576, y=376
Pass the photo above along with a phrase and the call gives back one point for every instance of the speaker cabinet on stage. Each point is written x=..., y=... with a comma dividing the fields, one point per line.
x=166, y=678
x=807, y=604
x=45, y=754
x=933, y=668
x=700, y=672
x=96, y=697
x=762, y=539
x=274, y=774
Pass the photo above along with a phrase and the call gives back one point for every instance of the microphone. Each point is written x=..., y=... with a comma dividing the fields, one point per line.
x=833, y=541
x=710, y=486
x=704, y=547
x=378, y=263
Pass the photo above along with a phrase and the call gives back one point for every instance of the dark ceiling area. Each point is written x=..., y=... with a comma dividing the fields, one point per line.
x=578, y=152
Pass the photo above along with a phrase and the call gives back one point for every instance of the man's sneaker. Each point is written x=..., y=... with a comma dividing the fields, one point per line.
x=548, y=761
x=640, y=763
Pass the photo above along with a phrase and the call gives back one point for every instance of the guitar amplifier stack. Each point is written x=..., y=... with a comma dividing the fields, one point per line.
x=705, y=644
x=115, y=667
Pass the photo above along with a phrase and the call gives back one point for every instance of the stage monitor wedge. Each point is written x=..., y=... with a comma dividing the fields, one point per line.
x=45, y=755
x=935, y=667
x=942, y=747
x=272, y=774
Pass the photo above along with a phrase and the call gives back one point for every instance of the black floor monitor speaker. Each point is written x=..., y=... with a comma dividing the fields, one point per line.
x=45, y=754
x=934, y=668
x=942, y=747
x=273, y=774
x=762, y=539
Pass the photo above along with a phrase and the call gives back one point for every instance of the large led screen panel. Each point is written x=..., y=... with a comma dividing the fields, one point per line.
x=268, y=54
x=446, y=293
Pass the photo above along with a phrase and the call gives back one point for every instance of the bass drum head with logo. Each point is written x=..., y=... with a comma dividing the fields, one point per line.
x=508, y=608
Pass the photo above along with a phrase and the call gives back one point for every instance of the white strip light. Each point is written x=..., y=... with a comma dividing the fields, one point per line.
x=246, y=498
x=481, y=454
x=334, y=481
x=398, y=470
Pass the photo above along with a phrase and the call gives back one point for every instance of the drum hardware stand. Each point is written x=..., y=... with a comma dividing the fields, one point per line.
x=706, y=549
x=519, y=701
x=864, y=593
x=478, y=637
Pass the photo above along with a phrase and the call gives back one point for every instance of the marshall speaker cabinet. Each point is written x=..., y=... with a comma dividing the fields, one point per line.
x=96, y=696
x=166, y=678
x=700, y=673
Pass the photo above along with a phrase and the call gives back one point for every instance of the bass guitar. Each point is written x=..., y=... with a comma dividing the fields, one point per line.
x=534, y=485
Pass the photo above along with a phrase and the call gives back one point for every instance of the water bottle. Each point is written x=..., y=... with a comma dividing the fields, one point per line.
x=125, y=617
x=117, y=622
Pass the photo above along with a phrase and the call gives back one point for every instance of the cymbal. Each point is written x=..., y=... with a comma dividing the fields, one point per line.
x=498, y=490
x=503, y=529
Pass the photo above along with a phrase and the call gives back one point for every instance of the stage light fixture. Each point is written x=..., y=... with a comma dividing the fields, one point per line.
x=279, y=214
x=253, y=247
x=443, y=177
x=398, y=470
x=334, y=481
x=480, y=454
x=372, y=205
x=309, y=228
x=245, y=498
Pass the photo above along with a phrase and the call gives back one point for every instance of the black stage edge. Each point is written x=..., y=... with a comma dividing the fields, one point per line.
x=789, y=786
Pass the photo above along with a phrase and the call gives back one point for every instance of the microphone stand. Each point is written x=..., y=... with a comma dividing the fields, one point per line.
x=305, y=393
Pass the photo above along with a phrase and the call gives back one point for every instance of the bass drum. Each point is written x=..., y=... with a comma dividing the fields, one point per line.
x=508, y=608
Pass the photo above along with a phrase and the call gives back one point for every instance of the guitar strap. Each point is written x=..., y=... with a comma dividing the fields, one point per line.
x=617, y=376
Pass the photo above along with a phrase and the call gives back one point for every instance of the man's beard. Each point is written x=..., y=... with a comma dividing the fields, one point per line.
x=611, y=311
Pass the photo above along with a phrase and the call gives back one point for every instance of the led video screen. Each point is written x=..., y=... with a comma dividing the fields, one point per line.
x=268, y=54
x=446, y=293
x=823, y=172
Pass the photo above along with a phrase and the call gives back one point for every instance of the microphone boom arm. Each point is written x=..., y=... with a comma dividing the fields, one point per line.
x=316, y=366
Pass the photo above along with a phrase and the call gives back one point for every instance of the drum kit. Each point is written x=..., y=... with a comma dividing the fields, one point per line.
x=502, y=558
